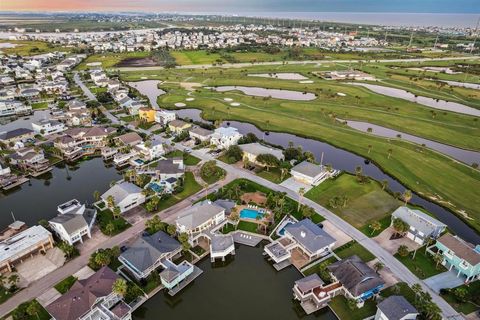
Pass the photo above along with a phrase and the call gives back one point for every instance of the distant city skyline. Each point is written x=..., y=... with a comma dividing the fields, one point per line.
x=246, y=6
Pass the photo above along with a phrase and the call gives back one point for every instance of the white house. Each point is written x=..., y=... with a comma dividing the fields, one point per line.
x=151, y=150
x=164, y=117
x=223, y=138
x=200, y=133
x=252, y=150
x=309, y=173
x=74, y=221
x=47, y=127
x=421, y=225
x=395, y=308
x=125, y=195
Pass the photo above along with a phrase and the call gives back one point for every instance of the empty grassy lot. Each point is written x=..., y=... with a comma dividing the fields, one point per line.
x=366, y=202
x=30, y=48
x=109, y=60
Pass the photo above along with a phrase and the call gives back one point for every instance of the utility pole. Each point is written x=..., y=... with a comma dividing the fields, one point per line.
x=411, y=38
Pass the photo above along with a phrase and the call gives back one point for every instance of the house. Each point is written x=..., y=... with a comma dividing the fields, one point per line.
x=224, y=138
x=80, y=141
x=30, y=159
x=252, y=150
x=421, y=225
x=164, y=117
x=134, y=106
x=23, y=245
x=221, y=245
x=302, y=242
x=460, y=255
x=146, y=114
x=313, y=294
x=14, y=107
x=129, y=139
x=125, y=195
x=395, y=308
x=76, y=105
x=148, y=253
x=16, y=135
x=359, y=281
x=200, y=134
x=198, y=218
x=73, y=222
x=178, y=126
x=151, y=150
x=47, y=127
x=309, y=173
x=174, y=274
x=91, y=298
x=170, y=168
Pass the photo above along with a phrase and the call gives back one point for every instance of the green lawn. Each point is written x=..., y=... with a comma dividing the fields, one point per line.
x=228, y=228
x=315, y=268
x=190, y=186
x=248, y=226
x=39, y=105
x=4, y=295
x=366, y=202
x=64, y=285
x=105, y=217
x=273, y=175
x=109, y=60
x=340, y=306
x=423, y=265
x=20, y=312
x=188, y=159
x=30, y=48
x=354, y=248
x=186, y=57
x=198, y=250
x=368, y=231
x=96, y=90
x=212, y=178
x=472, y=302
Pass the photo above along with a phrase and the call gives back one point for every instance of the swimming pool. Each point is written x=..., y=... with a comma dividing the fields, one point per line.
x=250, y=214
x=158, y=188
x=281, y=231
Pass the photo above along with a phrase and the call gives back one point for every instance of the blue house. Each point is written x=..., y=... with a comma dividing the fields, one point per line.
x=460, y=255
x=359, y=281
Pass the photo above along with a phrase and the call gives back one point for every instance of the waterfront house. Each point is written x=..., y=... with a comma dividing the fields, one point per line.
x=224, y=138
x=133, y=107
x=421, y=225
x=46, y=127
x=309, y=173
x=125, y=195
x=302, y=242
x=91, y=298
x=221, y=245
x=14, y=107
x=200, y=134
x=252, y=150
x=395, y=308
x=198, y=218
x=9, y=138
x=23, y=245
x=459, y=255
x=148, y=253
x=169, y=168
x=146, y=114
x=359, y=281
x=31, y=160
x=313, y=294
x=175, y=274
x=81, y=141
x=129, y=139
x=178, y=126
x=164, y=117
x=151, y=150
x=73, y=222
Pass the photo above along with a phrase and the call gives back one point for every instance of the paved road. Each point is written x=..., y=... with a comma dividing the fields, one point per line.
x=278, y=63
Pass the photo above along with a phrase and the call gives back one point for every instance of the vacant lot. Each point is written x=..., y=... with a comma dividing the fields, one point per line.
x=365, y=202
x=186, y=57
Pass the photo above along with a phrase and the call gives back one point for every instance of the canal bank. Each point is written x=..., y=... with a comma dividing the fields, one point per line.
x=39, y=198
x=246, y=287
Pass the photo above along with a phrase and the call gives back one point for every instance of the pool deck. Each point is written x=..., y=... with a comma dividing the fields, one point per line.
x=246, y=239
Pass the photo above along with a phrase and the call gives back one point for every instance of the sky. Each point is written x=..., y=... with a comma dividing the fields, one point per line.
x=233, y=6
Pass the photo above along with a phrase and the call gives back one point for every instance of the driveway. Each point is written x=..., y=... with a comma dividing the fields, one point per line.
x=446, y=279
x=383, y=239
x=295, y=185
x=340, y=236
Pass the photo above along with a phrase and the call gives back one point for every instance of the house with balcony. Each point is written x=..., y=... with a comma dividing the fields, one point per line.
x=164, y=117
x=200, y=134
x=146, y=114
x=459, y=255
x=178, y=126
x=313, y=294
x=358, y=280
x=149, y=253
x=47, y=127
x=11, y=137
x=91, y=299
x=31, y=160
x=125, y=195
x=174, y=275
x=395, y=308
x=310, y=173
x=421, y=225
x=81, y=141
x=151, y=149
x=73, y=222
x=225, y=137
x=128, y=139
x=301, y=243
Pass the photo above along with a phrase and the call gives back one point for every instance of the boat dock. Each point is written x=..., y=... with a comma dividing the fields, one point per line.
x=190, y=278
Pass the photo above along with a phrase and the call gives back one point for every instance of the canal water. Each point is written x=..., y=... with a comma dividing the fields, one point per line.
x=274, y=93
x=148, y=88
x=429, y=102
x=347, y=161
x=466, y=156
x=39, y=199
x=247, y=287
x=463, y=84
x=281, y=75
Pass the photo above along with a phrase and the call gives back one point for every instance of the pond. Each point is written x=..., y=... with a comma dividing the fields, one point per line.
x=463, y=84
x=7, y=45
x=466, y=156
x=39, y=198
x=246, y=287
x=429, y=102
x=274, y=93
x=148, y=88
x=281, y=76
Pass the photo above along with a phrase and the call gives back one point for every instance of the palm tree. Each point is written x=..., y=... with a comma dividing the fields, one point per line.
x=110, y=201
x=171, y=229
x=110, y=228
x=120, y=287
x=34, y=308
x=116, y=212
x=369, y=148
x=384, y=184
x=283, y=173
x=301, y=192
x=417, y=289
x=378, y=266
x=400, y=227
x=407, y=196
x=358, y=171
x=96, y=195
x=13, y=279
x=375, y=226
x=437, y=258
x=390, y=151
x=403, y=251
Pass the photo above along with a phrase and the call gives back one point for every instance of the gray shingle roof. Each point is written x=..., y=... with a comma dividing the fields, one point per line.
x=417, y=219
x=258, y=149
x=355, y=275
x=309, y=283
x=221, y=242
x=146, y=250
x=167, y=166
x=70, y=222
x=396, y=307
x=15, y=133
x=309, y=235
x=309, y=169
x=198, y=214
x=121, y=190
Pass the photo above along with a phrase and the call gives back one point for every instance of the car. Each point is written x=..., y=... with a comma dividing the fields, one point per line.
x=188, y=150
x=123, y=248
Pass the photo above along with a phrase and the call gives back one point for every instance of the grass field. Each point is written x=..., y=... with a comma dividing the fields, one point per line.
x=340, y=306
x=109, y=60
x=188, y=159
x=367, y=202
x=354, y=248
x=190, y=186
x=438, y=178
x=423, y=265
x=30, y=48
x=64, y=285
x=186, y=57
x=472, y=299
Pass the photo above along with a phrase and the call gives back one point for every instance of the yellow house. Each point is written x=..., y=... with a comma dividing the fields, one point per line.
x=177, y=126
x=146, y=114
